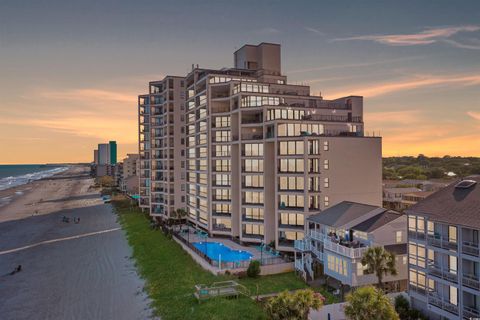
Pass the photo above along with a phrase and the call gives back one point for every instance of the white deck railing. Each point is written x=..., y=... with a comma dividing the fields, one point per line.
x=342, y=250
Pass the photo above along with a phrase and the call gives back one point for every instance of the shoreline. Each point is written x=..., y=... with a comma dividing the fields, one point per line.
x=44, y=195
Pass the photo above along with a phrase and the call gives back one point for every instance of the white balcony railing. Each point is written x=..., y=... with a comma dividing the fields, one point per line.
x=302, y=245
x=344, y=251
x=317, y=235
x=317, y=253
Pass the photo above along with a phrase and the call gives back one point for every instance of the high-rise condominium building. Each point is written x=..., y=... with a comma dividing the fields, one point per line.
x=261, y=155
x=162, y=146
x=444, y=256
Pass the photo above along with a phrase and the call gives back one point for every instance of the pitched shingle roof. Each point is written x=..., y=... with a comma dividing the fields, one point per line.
x=341, y=213
x=452, y=205
x=377, y=221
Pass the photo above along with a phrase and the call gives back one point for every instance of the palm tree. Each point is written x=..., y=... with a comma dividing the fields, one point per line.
x=379, y=261
x=293, y=306
x=369, y=303
x=179, y=214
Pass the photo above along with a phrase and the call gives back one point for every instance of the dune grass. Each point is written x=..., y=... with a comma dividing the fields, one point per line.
x=171, y=274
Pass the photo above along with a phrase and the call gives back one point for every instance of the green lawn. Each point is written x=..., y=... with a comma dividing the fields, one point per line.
x=171, y=274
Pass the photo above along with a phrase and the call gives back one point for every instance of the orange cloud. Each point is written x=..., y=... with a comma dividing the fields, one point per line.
x=424, y=37
x=404, y=117
x=92, y=95
x=474, y=115
x=380, y=89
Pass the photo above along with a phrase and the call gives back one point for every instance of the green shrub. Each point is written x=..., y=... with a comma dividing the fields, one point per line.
x=253, y=270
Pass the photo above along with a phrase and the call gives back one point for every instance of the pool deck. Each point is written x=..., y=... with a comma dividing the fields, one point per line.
x=256, y=254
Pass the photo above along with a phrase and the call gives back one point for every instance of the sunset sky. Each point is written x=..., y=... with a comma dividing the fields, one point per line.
x=70, y=71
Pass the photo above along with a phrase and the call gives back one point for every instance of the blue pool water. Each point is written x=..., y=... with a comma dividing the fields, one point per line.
x=215, y=250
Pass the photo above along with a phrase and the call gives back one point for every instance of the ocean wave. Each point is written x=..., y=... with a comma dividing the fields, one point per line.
x=10, y=182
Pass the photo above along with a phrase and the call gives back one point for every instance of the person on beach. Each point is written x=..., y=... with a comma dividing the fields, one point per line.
x=17, y=269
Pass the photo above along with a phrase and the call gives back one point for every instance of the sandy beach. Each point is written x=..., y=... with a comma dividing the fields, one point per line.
x=69, y=270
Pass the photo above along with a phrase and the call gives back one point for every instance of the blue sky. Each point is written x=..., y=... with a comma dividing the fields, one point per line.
x=70, y=71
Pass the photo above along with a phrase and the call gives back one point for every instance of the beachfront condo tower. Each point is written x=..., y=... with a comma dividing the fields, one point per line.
x=444, y=255
x=161, y=119
x=250, y=156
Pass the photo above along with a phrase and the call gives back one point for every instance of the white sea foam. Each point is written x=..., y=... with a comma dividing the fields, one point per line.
x=10, y=182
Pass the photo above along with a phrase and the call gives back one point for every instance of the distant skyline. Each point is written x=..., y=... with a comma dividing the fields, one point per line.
x=70, y=72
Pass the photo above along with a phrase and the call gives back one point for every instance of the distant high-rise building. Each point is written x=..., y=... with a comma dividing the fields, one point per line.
x=249, y=155
x=95, y=156
x=103, y=153
x=113, y=152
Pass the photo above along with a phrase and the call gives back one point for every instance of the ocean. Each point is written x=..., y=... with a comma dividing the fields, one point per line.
x=18, y=174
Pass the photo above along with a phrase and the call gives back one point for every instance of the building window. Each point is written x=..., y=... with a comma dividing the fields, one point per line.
x=291, y=148
x=253, y=213
x=452, y=264
x=416, y=254
x=326, y=182
x=292, y=183
x=292, y=165
x=326, y=201
x=222, y=122
x=253, y=229
x=253, y=181
x=398, y=236
x=452, y=234
x=325, y=145
x=291, y=201
x=253, y=165
x=292, y=219
x=337, y=265
x=253, y=149
x=253, y=197
x=453, y=295
x=326, y=164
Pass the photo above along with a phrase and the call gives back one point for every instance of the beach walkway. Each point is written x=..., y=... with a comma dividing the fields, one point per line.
x=69, y=271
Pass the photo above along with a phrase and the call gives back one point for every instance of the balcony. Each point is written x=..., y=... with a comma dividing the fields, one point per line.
x=416, y=235
x=221, y=227
x=471, y=281
x=317, y=235
x=438, y=272
x=470, y=249
x=437, y=241
x=252, y=236
x=252, y=136
x=438, y=302
x=302, y=245
x=344, y=250
x=471, y=312
x=332, y=118
x=246, y=218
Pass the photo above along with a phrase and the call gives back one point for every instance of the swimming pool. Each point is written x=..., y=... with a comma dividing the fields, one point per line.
x=219, y=251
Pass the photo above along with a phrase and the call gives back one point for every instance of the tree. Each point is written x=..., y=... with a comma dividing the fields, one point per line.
x=369, y=303
x=180, y=214
x=293, y=306
x=106, y=181
x=402, y=307
x=380, y=262
x=253, y=270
